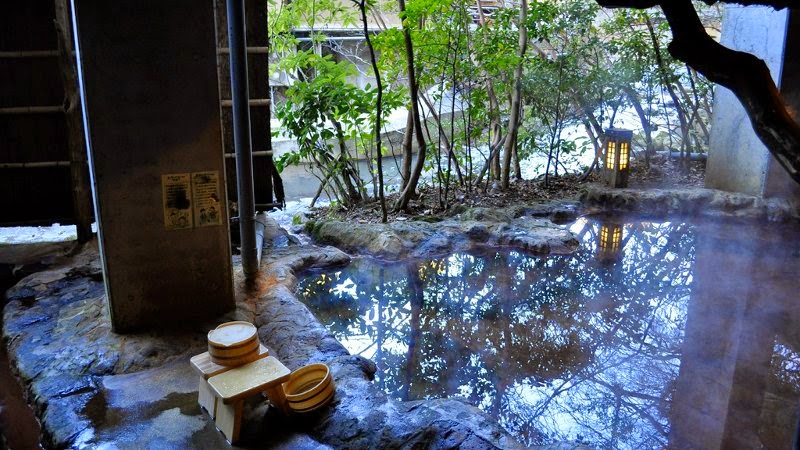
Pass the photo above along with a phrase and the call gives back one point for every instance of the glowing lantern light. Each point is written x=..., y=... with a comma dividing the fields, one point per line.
x=617, y=157
x=610, y=245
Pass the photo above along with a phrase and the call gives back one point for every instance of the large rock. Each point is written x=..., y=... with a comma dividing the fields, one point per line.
x=517, y=227
x=60, y=343
x=93, y=388
x=694, y=202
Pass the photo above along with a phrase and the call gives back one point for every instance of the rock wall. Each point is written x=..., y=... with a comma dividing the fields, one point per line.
x=687, y=203
x=526, y=228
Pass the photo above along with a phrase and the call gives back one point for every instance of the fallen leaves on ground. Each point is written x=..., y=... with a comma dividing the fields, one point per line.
x=663, y=172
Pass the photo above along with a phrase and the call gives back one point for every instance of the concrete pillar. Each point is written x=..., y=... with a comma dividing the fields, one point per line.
x=149, y=82
x=737, y=160
x=778, y=183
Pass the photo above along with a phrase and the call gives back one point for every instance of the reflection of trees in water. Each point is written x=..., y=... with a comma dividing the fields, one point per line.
x=779, y=414
x=578, y=347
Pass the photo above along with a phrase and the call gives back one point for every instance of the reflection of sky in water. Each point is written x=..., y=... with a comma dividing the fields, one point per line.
x=582, y=348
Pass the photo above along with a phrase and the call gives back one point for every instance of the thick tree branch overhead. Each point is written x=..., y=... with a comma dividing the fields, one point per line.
x=777, y=4
x=747, y=76
x=643, y=4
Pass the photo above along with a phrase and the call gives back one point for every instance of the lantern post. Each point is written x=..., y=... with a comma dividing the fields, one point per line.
x=617, y=157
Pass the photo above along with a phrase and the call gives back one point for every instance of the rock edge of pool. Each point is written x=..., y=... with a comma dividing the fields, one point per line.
x=90, y=387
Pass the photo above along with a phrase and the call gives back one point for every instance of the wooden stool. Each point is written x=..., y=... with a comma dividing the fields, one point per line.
x=239, y=383
x=207, y=368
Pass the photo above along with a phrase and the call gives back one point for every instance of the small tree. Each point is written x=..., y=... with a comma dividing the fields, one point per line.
x=323, y=109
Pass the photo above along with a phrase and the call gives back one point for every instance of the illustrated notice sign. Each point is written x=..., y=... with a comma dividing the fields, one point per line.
x=177, y=197
x=191, y=200
x=206, y=198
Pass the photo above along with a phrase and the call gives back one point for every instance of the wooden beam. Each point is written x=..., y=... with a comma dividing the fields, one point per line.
x=252, y=102
x=29, y=54
x=78, y=153
x=22, y=110
x=35, y=165
x=250, y=51
x=261, y=153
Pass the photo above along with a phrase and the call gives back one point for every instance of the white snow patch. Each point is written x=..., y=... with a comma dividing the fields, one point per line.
x=29, y=235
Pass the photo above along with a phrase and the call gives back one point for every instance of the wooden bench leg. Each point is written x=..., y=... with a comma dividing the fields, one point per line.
x=229, y=419
x=206, y=398
x=277, y=397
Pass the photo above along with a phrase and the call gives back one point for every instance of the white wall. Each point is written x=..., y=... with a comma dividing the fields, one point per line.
x=737, y=160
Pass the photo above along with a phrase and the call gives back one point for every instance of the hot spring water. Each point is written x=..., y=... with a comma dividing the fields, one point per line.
x=640, y=339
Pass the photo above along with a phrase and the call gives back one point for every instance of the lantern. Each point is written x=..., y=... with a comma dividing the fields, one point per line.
x=610, y=246
x=617, y=157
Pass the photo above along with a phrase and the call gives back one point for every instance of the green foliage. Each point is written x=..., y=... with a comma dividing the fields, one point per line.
x=581, y=65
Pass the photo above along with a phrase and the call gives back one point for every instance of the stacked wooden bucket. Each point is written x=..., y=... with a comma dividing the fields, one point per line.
x=234, y=344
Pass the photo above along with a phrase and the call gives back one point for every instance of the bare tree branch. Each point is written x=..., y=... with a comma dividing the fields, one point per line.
x=644, y=4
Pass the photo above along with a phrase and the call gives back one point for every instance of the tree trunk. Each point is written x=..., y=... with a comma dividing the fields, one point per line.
x=349, y=174
x=408, y=150
x=494, y=155
x=595, y=145
x=667, y=83
x=378, y=105
x=694, y=117
x=329, y=168
x=648, y=134
x=513, y=120
x=443, y=136
x=495, y=129
x=413, y=89
x=579, y=102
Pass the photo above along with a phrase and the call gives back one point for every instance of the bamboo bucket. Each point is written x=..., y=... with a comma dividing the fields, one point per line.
x=309, y=388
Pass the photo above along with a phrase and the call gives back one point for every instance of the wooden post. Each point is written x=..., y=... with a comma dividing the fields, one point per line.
x=79, y=167
x=229, y=420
